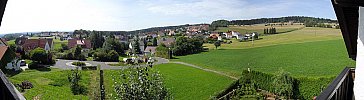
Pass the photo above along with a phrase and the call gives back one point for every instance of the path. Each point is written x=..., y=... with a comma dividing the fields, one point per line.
x=65, y=64
x=209, y=70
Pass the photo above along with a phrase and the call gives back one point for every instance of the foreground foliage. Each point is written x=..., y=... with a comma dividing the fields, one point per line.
x=139, y=83
x=281, y=84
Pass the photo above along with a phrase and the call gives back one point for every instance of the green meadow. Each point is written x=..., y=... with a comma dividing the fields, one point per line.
x=50, y=84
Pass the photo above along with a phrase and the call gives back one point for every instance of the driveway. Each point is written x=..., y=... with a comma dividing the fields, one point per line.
x=65, y=64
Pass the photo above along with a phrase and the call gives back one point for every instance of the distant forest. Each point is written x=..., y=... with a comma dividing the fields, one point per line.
x=295, y=19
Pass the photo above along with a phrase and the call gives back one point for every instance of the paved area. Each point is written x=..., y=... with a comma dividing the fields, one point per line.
x=67, y=64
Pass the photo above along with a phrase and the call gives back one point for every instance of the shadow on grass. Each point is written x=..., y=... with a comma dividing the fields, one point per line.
x=44, y=69
x=10, y=73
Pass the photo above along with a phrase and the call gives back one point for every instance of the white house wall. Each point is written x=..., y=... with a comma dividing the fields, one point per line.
x=359, y=76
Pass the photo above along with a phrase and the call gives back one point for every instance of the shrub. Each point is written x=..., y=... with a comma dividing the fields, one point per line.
x=33, y=65
x=299, y=88
x=74, y=79
x=78, y=63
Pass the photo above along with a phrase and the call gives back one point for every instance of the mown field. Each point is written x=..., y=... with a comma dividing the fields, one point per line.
x=313, y=59
x=259, y=28
x=50, y=84
x=184, y=82
x=307, y=34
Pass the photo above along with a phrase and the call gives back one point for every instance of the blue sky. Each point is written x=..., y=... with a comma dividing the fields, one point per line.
x=126, y=15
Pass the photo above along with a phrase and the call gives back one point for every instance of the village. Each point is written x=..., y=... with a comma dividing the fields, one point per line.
x=146, y=44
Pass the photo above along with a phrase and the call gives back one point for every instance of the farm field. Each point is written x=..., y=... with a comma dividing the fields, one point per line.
x=259, y=28
x=184, y=82
x=309, y=59
x=50, y=84
x=307, y=34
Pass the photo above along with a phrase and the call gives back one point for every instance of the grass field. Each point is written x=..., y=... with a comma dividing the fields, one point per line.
x=187, y=83
x=259, y=28
x=41, y=81
x=313, y=59
x=184, y=82
x=304, y=35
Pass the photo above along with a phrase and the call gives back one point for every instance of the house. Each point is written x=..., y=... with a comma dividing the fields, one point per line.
x=237, y=35
x=166, y=41
x=8, y=58
x=45, y=43
x=85, y=44
x=8, y=90
x=348, y=85
x=228, y=34
x=122, y=38
x=150, y=50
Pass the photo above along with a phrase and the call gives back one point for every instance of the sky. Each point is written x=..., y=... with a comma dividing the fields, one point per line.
x=127, y=15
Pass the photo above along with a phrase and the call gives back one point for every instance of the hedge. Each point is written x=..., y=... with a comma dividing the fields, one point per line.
x=304, y=88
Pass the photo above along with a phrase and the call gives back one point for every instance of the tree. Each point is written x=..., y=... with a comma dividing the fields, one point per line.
x=217, y=44
x=219, y=23
x=136, y=46
x=162, y=51
x=113, y=56
x=97, y=39
x=39, y=55
x=155, y=42
x=184, y=46
x=78, y=51
x=64, y=46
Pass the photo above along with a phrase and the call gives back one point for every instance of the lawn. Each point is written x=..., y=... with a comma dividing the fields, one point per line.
x=309, y=59
x=187, y=83
x=184, y=82
x=42, y=81
x=307, y=34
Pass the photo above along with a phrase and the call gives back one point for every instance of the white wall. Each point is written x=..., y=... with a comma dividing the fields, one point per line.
x=359, y=75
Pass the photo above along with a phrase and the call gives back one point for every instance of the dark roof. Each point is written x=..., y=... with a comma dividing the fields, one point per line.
x=347, y=13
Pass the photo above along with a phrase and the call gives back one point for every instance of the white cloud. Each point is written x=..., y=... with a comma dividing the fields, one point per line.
x=217, y=8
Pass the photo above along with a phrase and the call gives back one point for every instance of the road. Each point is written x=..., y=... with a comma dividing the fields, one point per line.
x=66, y=64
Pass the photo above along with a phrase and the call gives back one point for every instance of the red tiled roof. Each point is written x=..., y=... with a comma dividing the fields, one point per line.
x=4, y=41
x=2, y=51
x=31, y=44
x=83, y=43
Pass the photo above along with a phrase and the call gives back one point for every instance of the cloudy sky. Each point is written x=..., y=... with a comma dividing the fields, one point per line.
x=126, y=15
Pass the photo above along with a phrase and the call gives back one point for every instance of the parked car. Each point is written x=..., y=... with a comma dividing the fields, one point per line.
x=23, y=63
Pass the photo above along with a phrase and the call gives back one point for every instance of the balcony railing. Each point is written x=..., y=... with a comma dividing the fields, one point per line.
x=341, y=88
x=8, y=90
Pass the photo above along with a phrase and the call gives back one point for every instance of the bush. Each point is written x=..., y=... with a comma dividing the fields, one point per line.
x=33, y=65
x=78, y=63
x=74, y=78
x=301, y=88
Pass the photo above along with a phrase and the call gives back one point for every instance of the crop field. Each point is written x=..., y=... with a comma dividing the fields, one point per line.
x=321, y=58
x=50, y=84
x=259, y=28
x=307, y=34
x=184, y=82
